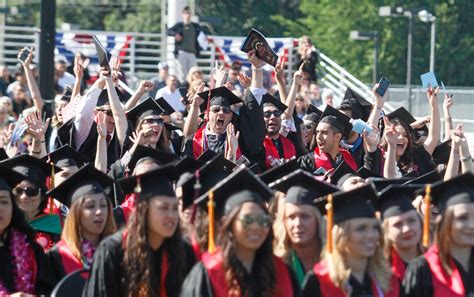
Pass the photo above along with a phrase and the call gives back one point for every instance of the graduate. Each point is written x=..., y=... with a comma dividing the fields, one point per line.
x=447, y=268
x=30, y=195
x=23, y=266
x=148, y=257
x=243, y=264
x=353, y=262
x=89, y=220
x=299, y=228
x=402, y=227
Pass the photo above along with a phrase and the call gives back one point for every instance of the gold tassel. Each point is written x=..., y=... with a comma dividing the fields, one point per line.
x=51, y=186
x=330, y=223
x=426, y=222
x=210, y=206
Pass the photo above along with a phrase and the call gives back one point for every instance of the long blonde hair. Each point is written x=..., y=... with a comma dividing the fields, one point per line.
x=339, y=272
x=389, y=244
x=442, y=237
x=72, y=232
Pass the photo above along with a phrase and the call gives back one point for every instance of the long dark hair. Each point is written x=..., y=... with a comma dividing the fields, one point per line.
x=406, y=160
x=263, y=277
x=163, y=141
x=138, y=266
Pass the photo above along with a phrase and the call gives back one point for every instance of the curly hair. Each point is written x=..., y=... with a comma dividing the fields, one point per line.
x=263, y=269
x=137, y=261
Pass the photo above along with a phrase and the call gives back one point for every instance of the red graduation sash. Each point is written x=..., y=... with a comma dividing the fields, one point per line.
x=200, y=144
x=322, y=160
x=271, y=152
x=216, y=273
x=70, y=262
x=444, y=284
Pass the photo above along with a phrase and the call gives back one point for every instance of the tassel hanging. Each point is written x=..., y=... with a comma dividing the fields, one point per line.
x=210, y=205
x=197, y=190
x=51, y=185
x=427, y=217
x=330, y=223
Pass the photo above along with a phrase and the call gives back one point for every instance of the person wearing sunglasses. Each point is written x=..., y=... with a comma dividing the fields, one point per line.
x=31, y=197
x=243, y=264
x=277, y=147
x=24, y=268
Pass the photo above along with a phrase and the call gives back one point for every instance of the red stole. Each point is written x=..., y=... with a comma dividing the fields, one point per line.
x=128, y=206
x=271, y=152
x=70, y=262
x=196, y=248
x=200, y=144
x=328, y=289
x=322, y=159
x=444, y=284
x=216, y=273
x=163, y=270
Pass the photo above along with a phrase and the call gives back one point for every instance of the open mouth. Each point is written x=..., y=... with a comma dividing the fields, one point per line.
x=220, y=123
x=98, y=221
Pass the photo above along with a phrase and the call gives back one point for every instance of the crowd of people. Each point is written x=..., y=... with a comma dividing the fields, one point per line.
x=237, y=186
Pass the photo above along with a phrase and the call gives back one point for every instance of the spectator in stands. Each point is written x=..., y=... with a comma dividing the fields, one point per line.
x=307, y=54
x=314, y=94
x=20, y=99
x=327, y=99
x=233, y=78
x=160, y=81
x=171, y=94
x=6, y=102
x=187, y=47
x=5, y=79
x=194, y=74
x=20, y=79
x=64, y=78
x=301, y=105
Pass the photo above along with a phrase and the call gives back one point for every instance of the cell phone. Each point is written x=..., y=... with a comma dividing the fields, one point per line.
x=383, y=86
x=184, y=93
x=25, y=52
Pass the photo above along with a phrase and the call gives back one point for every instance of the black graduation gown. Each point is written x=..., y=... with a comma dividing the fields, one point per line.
x=418, y=281
x=107, y=271
x=198, y=284
x=57, y=272
x=44, y=282
x=311, y=286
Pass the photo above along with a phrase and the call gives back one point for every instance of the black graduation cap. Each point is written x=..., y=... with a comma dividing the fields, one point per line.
x=427, y=178
x=187, y=164
x=312, y=118
x=209, y=175
x=160, y=157
x=34, y=169
x=239, y=187
x=396, y=200
x=336, y=119
x=442, y=152
x=207, y=155
x=171, y=127
x=102, y=53
x=3, y=154
x=459, y=189
x=313, y=109
x=86, y=181
x=342, y=169
x=256, y=41
x=381, y=183
x=352, y=204
x=66, y=156
x=277, y=172
x=269, y=99
x=255, y=168
x=359, y=106
x=165, y=106
x=152, y=183
x=221, y=96
x=9, y=178
x=104, y=97
x=405, y=116
x=146, y=108
x=365, y=173
x=302, y=187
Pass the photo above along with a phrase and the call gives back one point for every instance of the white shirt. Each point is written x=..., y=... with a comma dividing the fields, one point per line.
x=66, y=79
x=173, y=98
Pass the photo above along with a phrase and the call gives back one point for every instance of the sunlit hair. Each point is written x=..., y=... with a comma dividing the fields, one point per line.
x=339, y=272
x=72, y=230
x=192, y=70
x=282, y=243
x=389, y=244
x=263, y=268
x=137, y=262
x=443, y=239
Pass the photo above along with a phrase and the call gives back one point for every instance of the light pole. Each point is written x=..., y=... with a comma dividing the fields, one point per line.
x=427, y=17
x=357, y=35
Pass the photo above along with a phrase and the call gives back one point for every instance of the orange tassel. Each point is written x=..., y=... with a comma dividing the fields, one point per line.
x=51, y=186
x=426, y=222
x=210, y=206
x=330, y=223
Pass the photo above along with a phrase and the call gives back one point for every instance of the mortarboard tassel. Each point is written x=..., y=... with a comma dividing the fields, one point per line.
x=51, y=185
x=210, y=205
x=197, y=190
x=426, y=222
x=330, y=222
x=206, y=117
x=137, y=190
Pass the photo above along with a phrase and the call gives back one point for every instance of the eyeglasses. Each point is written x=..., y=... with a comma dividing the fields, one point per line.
x=107, y=112
x=263, y=220
x=30, y=191
x=275, y=113
x=224, y=109
x=153, y=121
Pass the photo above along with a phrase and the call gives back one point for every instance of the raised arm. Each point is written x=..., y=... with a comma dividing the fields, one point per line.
x=448, y=121
x=391, y=136
x=435, y=124
x=37, y=129
x=295, y=85
x=30, y=79
x=377, y=108
x=144, y=87
x=191, y=122
x=79, y=73
x=118, y=112
x=101, y=152
x=280, y=79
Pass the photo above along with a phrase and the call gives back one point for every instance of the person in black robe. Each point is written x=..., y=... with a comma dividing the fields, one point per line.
x=427, y=275
x=255, y=271
x=148, y=257
x=13, y=226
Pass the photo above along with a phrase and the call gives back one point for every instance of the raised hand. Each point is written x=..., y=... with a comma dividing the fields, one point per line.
x=232, y=139
x=390, y=134
x=432, y=95
x=244, y=80
x=115, y=65
x=139, y=138
x=28, y=59
x=253, y=59
x=280, y=69
x=78, y=67
x=298, y=75
x=371, y=140
x=145, y=86
x=220, y=76
x=196, y=100
x=101, y=124
x=448, y=102
x=379, y=100
x=36, y=127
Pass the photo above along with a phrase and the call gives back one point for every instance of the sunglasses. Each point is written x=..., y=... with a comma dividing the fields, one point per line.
x=107, y=112
x=29, y=191
x=263, y=220
x=153, y=121
x=224, y=109
x=275, y=113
